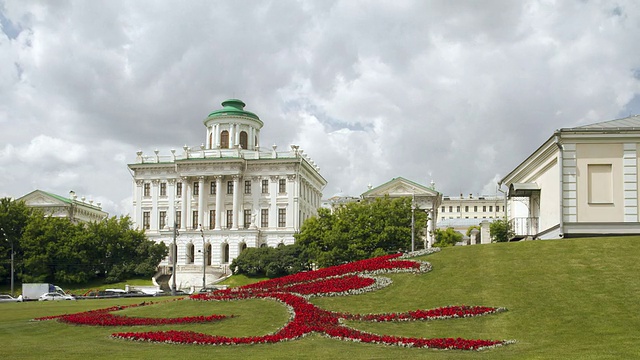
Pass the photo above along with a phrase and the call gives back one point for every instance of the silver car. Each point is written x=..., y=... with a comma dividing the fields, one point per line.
x=55, y=296
x=9, y=298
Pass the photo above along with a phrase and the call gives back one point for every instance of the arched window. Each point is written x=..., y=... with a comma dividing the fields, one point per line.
x=225, y=253
x=243, y=139
x=190, y=253
x=242, y=247
x=208, y=254
x=224, y=139
x=263, y=245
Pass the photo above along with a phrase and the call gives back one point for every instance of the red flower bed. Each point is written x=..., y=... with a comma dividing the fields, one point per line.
x=306, y=318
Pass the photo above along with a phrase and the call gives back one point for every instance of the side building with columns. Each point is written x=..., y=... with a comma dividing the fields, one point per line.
x=227, y=194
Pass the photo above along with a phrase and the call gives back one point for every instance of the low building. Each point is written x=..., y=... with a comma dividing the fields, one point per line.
x=582, y=181
x=222, y=196
x=462, y=212
x=424, y=199
x=72, y=208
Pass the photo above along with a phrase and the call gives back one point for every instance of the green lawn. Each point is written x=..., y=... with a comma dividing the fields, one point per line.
x=567, y=299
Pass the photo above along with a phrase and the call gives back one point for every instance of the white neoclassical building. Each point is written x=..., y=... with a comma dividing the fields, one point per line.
x=224, y=195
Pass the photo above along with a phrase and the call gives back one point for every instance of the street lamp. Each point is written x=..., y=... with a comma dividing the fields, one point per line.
x=175, y=258
x=204, y=259
x=11, y=242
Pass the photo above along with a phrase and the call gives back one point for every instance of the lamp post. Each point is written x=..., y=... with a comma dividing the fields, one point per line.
x=11, y=242
x=175, y=258
x=204, y=259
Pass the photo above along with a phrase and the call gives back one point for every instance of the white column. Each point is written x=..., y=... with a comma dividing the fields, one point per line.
x=154, y=205
x=219, y=207
x=429, y=229
x=171, y=211
x=138, y=208
x=201, y=201
x=183, y=209
x=236, y=201
x=273, y=203
x=216, y=136
x=232, y=135
x=293, y=201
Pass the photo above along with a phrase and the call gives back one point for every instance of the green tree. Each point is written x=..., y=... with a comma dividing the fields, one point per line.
x=271, y=262
x=14, y=216
x=448, y=237
x=118, y=251
x=500, y=230
x=360, y=230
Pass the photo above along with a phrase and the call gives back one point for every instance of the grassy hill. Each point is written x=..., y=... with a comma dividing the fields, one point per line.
x=567, y=299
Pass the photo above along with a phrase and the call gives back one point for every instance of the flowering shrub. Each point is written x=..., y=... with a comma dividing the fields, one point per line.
x=294, y=292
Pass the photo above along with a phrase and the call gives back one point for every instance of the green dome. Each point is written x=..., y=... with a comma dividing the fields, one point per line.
x=233, y=107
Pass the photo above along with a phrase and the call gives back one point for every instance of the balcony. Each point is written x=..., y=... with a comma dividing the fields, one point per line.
x=523, y=227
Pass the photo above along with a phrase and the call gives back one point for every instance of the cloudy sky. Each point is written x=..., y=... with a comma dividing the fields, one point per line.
x=458, y=92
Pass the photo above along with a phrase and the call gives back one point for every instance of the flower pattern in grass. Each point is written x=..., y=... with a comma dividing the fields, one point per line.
x=294, y=292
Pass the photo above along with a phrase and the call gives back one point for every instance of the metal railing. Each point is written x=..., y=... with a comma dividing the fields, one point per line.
x=524, y=226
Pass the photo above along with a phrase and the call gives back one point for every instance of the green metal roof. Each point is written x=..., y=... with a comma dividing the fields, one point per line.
x=233, y=107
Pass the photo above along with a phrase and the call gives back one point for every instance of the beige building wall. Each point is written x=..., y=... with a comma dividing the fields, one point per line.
x=600, y=196
x=549, y=198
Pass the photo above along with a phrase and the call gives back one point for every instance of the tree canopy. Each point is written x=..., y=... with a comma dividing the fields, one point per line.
x=360, y=230
x=49, y=249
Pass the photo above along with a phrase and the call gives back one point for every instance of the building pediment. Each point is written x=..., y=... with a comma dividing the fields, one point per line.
x=40, y=198
x=398, y=187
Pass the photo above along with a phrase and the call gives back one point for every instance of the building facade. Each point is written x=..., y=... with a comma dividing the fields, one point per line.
x=581, y=182
x=223, y=196
x=77, y=210
x=424, y=198
x=462, y=212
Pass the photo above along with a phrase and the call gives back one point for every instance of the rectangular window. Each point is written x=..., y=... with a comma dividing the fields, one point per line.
x=147, y=189
x=179, y=189
x=229, y=187
x=163, y=189
x=212, y=219
x=466, y=209
x=491, y=208
x=282, y=186
x=458, y=209
x=282, y=217
x=146, y=220
x=247, y=186
x=443, y=209
x=264, y=218
x=600, y=183
x=194, y=219
x=450, y=208
x=229, y=219
x=484, y=209
x=179, y=219
x=265, y=186
x=196, y=188
x=213, y=188
x=475, y=209
x=247, y=218
x=163, y=219
x=497, y=208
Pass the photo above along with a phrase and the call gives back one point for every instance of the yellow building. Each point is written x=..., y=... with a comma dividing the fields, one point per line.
x=582, y=181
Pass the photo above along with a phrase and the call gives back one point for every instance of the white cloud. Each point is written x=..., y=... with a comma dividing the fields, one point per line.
x=455, y=91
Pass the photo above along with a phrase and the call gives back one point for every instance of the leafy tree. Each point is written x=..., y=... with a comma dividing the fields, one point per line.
x=500, y=230
x=271, y=262
x=359, y=230
x=448, y=237
x=14, y=216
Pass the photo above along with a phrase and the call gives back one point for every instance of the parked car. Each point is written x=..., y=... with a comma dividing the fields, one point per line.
x=9, y=298
x=55, y=296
